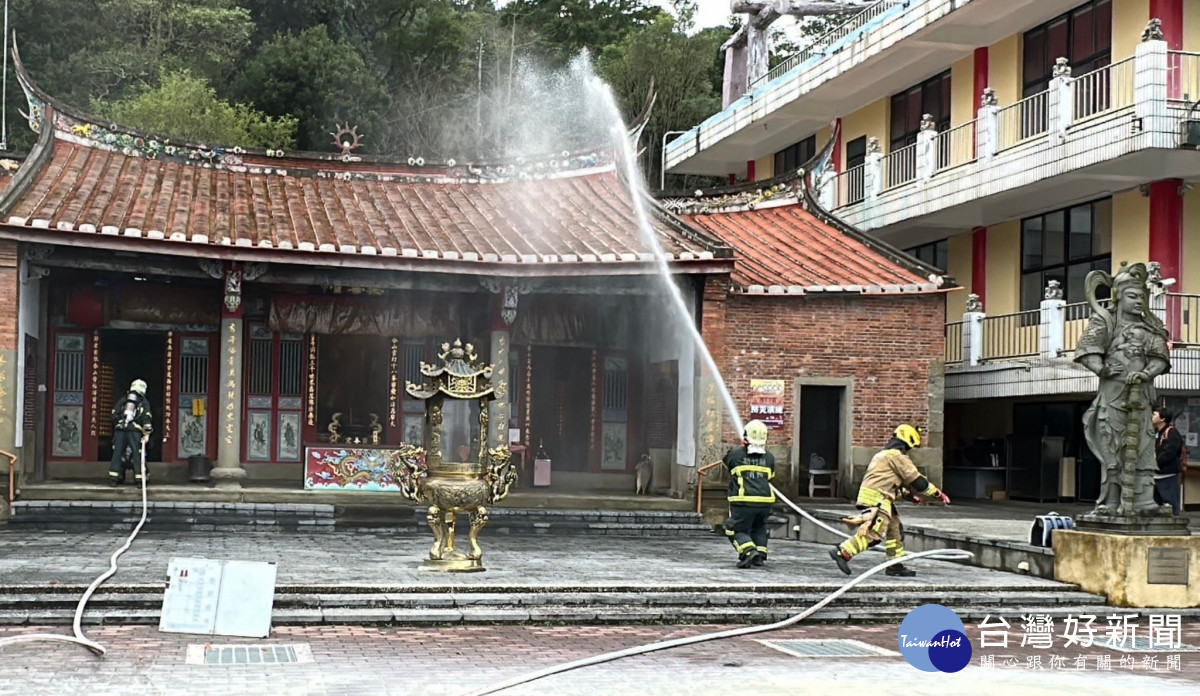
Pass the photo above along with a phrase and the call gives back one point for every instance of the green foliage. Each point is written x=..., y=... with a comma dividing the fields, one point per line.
x=569, y=26
x=184, y=107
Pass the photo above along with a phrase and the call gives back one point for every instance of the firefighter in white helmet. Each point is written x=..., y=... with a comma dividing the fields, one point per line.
x=751, y=468
x=132, y=424
x=890, y=475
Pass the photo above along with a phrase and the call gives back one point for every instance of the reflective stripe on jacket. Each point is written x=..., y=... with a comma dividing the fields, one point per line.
x=750, y=476
x=888, y=472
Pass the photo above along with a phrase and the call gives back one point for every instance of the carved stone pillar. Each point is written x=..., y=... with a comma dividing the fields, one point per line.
x=503, y=317
x=228, y=472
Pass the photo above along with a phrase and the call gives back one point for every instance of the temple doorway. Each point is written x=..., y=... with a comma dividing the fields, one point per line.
x=126, y=356
x=562, y=405
x=352, y=380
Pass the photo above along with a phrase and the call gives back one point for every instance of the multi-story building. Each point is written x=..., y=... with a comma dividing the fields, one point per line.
x=1017, y=146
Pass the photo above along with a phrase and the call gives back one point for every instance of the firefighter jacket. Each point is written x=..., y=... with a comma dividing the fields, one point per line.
x=132, y=412
x=750, y=476
x=889, y=472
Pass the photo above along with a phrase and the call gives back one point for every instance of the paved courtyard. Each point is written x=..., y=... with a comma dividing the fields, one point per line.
x=351, y=660
x=382, y=558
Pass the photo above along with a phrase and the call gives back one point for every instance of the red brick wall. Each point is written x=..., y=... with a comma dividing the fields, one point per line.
x=886, y=343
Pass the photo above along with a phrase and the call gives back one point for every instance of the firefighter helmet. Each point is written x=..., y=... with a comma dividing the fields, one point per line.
x=755, y=435
x=908, y=435
x=138, y=386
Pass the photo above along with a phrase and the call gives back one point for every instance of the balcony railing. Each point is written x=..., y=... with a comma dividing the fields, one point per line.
x=954, y=342
x=956, y=146
x=900, y=167
x=851, y=185
x=828, y=40
x=1183, y=75
x=1183, y=319
x=1075, y=320
x=1102, y=90
x=1023, y=120
x=1011, y=335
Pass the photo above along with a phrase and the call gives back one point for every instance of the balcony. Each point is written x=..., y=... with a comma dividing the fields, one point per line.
x=1030, y=353
x=886, y=48
x=1085, y=136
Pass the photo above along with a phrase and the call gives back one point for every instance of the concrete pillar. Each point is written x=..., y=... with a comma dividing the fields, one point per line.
x=926, y=150
x=972, y=331
x=1052, y=324
x=873, y=170
x=498, y=409
x=710, y=414
x=987, y=126
x=1170, y=13
x=1150, y=90
x=10, y=419
x=228, y=472
x=1060, y=102
x=1166, y=229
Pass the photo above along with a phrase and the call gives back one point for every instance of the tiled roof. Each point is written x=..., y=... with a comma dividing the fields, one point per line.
x=107, y=183
x=785, y=249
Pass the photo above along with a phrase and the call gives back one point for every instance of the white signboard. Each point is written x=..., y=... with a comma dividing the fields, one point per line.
x=226, y=598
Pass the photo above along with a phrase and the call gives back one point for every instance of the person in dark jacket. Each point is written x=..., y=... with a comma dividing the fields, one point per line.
x=132, y=424
x=751, y=498
x=1168, y=448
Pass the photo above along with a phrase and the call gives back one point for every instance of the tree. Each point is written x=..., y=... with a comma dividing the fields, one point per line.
x=183, y=106
x=569, y=26
x=318, y=80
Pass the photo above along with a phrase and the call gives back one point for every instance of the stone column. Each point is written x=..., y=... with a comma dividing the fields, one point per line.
x=972, y=332
x=1051, y=327
x=228, y=472
x=987, y=126
x=1150, y=89
x=498, y=410
x=926, y=149
x=873, y=169
x=1061, y=102
x=10, y=419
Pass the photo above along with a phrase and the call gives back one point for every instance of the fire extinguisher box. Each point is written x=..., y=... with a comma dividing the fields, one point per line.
x=541, y=472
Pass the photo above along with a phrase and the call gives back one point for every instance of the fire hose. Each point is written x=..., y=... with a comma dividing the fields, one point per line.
x=937, y=554
x=79, y=637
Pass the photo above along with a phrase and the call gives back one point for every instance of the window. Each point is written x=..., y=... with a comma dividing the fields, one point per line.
x=930, y=97
x=1083, y=36
x=856, y=156
x=790, y=158
x=933, y=253
x=1064, y=245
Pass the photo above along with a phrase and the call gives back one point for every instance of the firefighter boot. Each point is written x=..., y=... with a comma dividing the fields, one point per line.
x=838, y=557
x=749, y=559
x=899, y=570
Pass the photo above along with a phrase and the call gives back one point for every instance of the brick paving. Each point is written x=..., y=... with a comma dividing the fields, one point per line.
x=450, y=661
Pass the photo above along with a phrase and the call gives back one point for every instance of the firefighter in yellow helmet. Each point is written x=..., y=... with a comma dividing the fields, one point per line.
x=890, y=475
x=751, y=468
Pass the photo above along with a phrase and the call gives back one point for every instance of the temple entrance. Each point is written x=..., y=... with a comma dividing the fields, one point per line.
x=562, y=403
x=124, y=357
x=352, y=380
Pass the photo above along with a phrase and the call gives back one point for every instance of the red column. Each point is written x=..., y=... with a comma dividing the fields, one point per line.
x=1166, y=229
x=837, y=146
x=1171, y=14
x=979, y=263
x=752, y=170
x=981, y=80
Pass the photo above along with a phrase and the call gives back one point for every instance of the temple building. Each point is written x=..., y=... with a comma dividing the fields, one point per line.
x=277, y=303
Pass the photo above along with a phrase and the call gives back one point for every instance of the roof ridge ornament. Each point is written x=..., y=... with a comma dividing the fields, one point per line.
x=347, y=139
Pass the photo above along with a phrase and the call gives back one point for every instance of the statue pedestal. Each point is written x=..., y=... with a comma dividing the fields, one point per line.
x=1139, y=526
x=1131, y=569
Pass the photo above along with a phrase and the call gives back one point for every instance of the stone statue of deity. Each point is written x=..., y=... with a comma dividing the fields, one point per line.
x=1125, y=345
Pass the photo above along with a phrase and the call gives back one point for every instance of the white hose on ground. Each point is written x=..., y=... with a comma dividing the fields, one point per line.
x=80, y=638
x=937, y=554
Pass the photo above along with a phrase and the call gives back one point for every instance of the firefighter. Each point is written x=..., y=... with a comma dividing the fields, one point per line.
x=890, y=475
x=131, y=430
x=751, y=468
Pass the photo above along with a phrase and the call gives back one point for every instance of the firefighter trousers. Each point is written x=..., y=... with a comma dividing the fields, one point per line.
x=746, y=527
x=880, y=523
x=127, y=454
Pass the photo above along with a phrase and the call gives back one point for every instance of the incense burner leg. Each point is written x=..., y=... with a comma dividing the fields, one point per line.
x=479, y=518
x=437, y=524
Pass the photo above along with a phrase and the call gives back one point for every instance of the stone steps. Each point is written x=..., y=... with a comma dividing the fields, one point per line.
x=482, y=604
x=314, y=518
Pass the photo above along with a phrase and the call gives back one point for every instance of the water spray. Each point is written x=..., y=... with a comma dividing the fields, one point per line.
x=625, y=149
x=79, y=637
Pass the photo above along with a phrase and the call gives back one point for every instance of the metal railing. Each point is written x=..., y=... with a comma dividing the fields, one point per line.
x=954, y=342
x=1183, y=75
x=1011, y=335
x=1102, y=90
x=1183, y=319
x=900, y=166
x=851, y=186
x=1075, y=318
x=956, y=146
x=1023, y=120
x=823, y=42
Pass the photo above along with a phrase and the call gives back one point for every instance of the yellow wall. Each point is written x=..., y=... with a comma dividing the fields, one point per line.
x=958, y=266
x=1003, y=268
x=871, y=121
x=962, y=83
x=823, y=136
x=764, y=167
x=1129, y=18
x=1191, y=25
x=1191, y=245
x=1131, y=227
x=1004, y=69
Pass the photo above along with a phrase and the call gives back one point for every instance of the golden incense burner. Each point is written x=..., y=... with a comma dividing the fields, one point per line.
x=459, y=473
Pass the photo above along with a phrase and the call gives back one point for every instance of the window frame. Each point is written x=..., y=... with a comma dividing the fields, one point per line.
x=1100, y=56
x=930, y=252
x=1065, y=261
x=798, y=153
x=900, y=103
